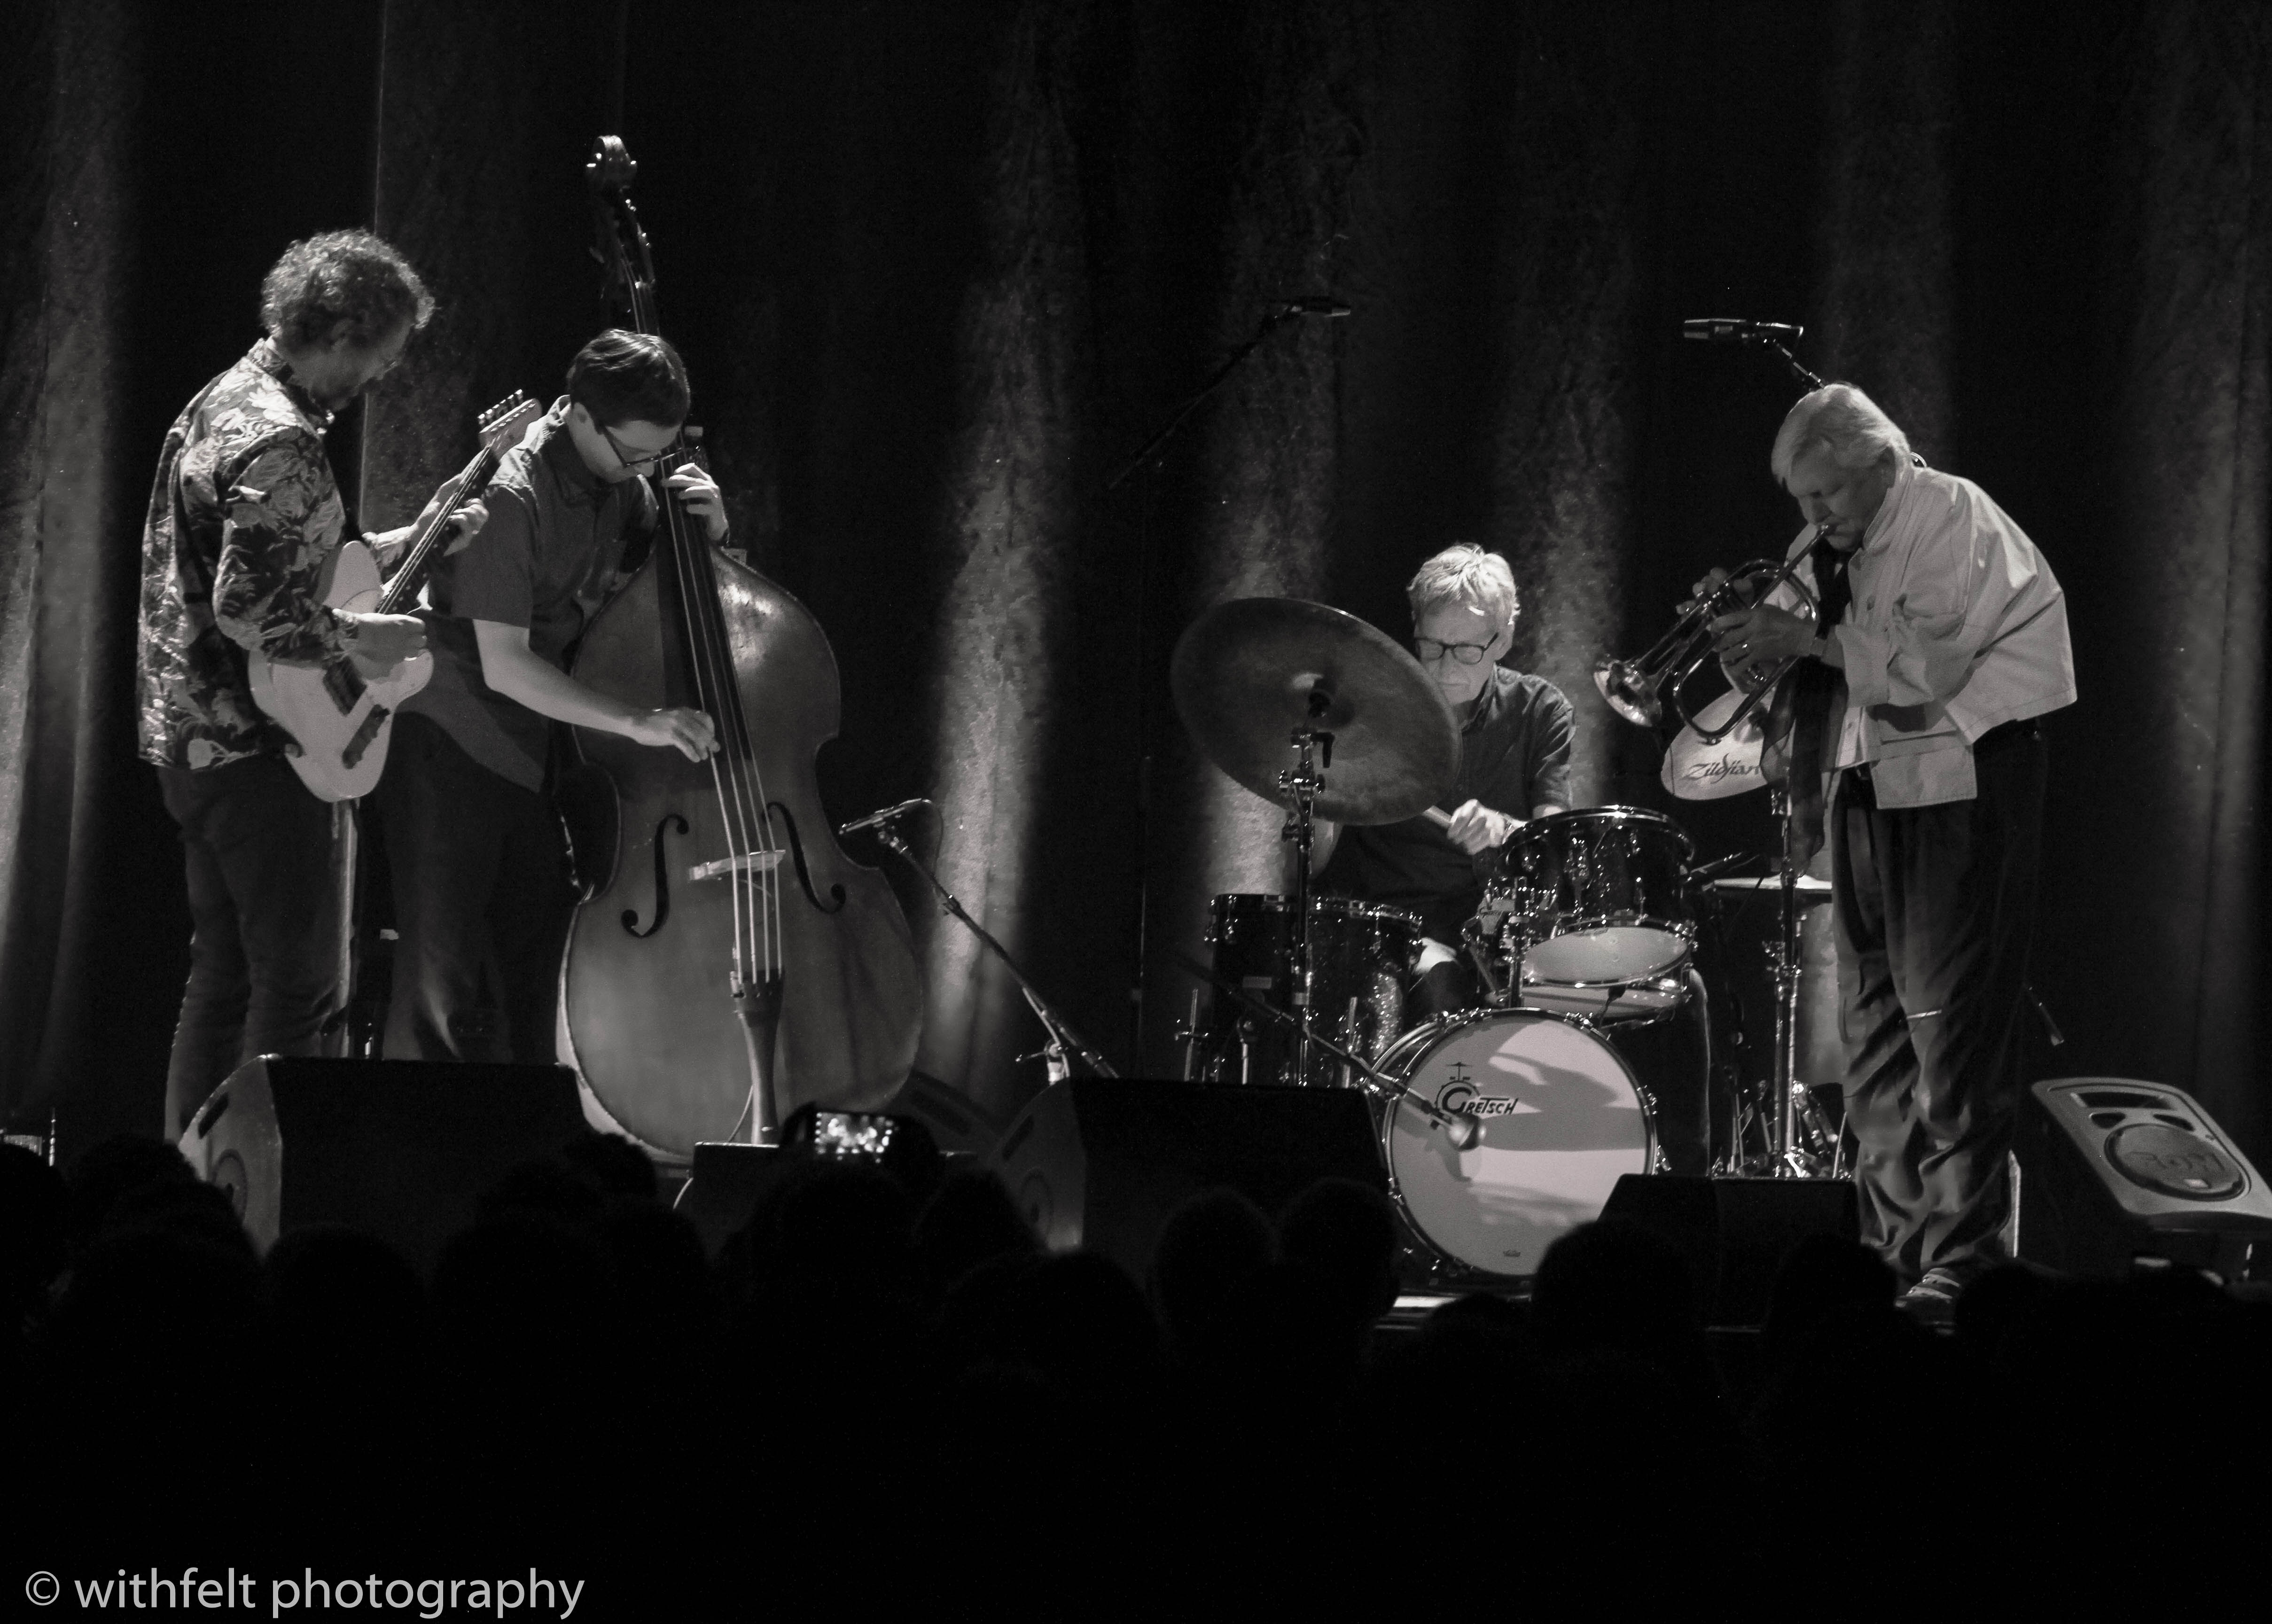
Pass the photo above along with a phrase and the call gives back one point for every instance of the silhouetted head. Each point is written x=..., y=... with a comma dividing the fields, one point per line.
x=1212, y=1249
x=1344, y=1233
x=970, y=1221
x=1611, y=1287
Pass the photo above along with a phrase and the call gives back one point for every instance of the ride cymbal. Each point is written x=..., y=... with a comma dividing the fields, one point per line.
x=1248, y=673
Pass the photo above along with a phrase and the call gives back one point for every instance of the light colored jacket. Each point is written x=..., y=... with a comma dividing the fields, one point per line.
x=1957, y=625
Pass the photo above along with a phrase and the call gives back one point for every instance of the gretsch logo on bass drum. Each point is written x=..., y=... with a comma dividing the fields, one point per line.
x=1459, y=1095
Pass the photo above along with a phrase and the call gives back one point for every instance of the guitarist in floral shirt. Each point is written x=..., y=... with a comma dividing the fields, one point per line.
x=244, y=517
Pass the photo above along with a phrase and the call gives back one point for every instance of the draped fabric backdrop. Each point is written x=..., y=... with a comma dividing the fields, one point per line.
x=939, y=269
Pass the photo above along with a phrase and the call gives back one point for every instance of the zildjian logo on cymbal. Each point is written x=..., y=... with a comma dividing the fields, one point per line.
x=1724, y=766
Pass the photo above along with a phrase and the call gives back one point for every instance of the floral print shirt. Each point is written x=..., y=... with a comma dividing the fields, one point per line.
x=245, y=519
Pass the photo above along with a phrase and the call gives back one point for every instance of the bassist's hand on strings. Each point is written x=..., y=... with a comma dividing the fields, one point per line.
x=689, y=731
x=699, y=494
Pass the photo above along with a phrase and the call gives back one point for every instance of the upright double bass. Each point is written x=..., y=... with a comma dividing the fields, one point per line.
x=730, y=962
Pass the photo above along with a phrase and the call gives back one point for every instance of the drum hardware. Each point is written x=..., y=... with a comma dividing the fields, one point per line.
x=1639, y=690
x=1462, y=1131
x=1255, y=675
x=1065, y=1045
x=1186, y=1032
x=1299, y=786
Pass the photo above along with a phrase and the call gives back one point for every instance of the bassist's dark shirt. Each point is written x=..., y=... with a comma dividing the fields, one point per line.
x=546, y=560
x=1514, y=754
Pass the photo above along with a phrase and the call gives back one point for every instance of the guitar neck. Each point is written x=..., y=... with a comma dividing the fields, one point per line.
x=403, y=588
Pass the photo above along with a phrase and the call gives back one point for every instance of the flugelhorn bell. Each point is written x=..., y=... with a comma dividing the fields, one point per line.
x=1638, y=690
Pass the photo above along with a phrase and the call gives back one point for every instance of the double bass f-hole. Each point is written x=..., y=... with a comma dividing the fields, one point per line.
x=796, y=854
x=662, y=881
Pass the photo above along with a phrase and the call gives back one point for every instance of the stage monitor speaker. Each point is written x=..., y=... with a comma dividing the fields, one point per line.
x=1100, y=1162
x=1735, y=1232
x=400, y=1149
x=2112, y=1170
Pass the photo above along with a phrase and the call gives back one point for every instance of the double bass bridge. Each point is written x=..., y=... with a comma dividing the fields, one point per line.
x=744, y=863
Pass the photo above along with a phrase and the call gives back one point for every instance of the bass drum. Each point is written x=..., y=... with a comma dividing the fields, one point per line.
x=1563, y=1120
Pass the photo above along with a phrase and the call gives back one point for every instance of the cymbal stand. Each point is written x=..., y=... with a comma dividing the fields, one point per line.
x=1799, y=1145
x=1064, y=1045
x=1301, y=785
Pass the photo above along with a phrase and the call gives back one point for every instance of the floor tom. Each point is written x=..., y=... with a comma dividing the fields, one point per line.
x=1362, y=956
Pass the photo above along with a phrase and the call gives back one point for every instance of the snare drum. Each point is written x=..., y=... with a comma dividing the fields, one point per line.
x=1601, y=897
x=1563, y=1120
x=1361, y=955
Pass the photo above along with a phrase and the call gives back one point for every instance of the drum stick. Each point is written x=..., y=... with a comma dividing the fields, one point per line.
x=1438, y=816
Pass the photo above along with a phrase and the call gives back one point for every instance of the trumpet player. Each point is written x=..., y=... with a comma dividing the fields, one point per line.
x=1910, y=703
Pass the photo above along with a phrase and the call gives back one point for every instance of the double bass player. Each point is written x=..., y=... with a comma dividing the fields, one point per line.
x=482, y=899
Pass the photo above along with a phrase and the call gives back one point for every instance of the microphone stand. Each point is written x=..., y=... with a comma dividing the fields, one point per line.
x=1065, y=1045
x=1147, y=455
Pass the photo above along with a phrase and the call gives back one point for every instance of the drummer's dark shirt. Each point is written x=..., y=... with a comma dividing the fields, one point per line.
x=1514, y=754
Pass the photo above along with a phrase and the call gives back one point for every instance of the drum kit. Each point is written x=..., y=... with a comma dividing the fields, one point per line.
x=1504, y=1125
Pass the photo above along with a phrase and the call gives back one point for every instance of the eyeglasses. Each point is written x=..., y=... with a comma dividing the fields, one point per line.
x=1466, y=653
x=636, y=465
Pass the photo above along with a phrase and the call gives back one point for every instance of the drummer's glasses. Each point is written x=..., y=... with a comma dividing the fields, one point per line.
x=1466, y=653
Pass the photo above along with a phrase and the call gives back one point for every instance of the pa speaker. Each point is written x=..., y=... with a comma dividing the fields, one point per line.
x=2112, y=1170
x=397, y=1148
x=1100, y=1162
x=1735, y=1232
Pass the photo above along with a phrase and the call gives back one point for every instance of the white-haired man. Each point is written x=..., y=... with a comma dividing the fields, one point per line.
x=1943, y=636
x=1514, y=765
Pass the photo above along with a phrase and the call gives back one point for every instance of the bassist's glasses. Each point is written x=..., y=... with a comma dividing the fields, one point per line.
x=638, y=463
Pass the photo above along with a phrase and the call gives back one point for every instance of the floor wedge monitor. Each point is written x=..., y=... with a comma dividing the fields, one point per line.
x=402, y=1150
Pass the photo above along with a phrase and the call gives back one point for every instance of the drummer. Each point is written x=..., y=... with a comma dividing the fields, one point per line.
x=1514, y=765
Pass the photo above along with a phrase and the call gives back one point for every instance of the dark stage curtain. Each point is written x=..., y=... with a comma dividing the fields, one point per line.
x=938, y=269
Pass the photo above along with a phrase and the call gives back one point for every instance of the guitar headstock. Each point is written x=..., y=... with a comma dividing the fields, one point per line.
x=501, y=427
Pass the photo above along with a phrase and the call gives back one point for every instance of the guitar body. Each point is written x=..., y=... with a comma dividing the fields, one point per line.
x=340, y=713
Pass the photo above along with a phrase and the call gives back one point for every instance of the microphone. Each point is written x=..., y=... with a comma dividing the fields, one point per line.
x=885, y=816
x=1313, y=305
x=1735, y=330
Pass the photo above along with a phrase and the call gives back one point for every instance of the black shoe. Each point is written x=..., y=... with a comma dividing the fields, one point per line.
x=1932, y=1299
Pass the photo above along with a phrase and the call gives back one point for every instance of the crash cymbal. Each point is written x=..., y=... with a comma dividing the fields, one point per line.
x=1696, y=770
x=1247, y=673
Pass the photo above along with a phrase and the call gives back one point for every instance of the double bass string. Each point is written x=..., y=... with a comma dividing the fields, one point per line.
x=758, y=943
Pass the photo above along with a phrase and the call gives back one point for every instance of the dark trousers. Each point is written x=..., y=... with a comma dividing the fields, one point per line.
x=264, y=923
x=481, y=905
x=1933, y=907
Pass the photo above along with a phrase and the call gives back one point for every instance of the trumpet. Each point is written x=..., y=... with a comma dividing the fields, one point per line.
x=1638, y=690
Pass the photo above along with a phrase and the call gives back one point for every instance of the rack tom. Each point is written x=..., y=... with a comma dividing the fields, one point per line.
x=1600, y=895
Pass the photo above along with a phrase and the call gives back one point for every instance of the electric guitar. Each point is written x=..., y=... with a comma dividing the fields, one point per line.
x=340, y=712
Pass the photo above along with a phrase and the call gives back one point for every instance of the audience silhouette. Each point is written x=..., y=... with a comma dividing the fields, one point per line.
x=889, y=1350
